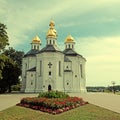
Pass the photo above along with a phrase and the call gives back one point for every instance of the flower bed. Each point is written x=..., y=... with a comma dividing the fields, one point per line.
x=52, y=105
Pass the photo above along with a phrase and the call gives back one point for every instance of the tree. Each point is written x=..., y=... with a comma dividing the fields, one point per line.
x=3, y=58
x=15, y=55
x=3, y=37
x=10, y=62
x=10, y=74
x=3, y=43
x=3, y=85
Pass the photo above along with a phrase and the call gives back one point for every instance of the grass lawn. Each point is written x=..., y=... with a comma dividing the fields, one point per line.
x=87, y=112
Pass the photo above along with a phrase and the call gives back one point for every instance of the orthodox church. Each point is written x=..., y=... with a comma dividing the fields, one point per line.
x=49, y=68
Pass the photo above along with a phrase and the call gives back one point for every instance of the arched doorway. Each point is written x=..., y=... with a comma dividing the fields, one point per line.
x=49, y=87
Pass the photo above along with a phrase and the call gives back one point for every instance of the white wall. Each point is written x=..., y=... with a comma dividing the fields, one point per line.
x=27, y=63
x=30, y=81
x=54, y=79
x=78, y=83
x=68, y=81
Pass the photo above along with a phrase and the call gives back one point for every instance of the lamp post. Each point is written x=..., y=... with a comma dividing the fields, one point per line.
x=113, y=83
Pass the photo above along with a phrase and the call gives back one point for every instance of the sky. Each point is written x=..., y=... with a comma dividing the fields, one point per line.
x=94, y=24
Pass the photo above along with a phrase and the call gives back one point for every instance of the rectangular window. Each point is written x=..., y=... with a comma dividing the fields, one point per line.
x=25, y=69
x=34, y=46
x=40, y=68
x=81, y=70
x=50, y=42
x=49, y=73
x=59, y=68
x=38, y=47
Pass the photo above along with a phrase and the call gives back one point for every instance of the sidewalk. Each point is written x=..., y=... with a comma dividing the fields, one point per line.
x=9, y=100
x=105, y=100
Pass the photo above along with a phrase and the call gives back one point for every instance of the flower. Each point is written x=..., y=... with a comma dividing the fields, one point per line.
x=52, y=105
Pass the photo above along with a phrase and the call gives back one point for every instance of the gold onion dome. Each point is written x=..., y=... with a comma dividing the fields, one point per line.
x=52, y=32
x=52, y=24
x=36, y=39
x=69, y=39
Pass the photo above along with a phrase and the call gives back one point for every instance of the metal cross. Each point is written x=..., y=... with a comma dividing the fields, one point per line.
x=49, y=64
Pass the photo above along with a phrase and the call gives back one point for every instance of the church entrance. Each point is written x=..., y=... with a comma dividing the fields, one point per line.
x=49, y=88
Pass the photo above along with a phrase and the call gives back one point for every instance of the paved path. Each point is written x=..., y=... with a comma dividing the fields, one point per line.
x=105, y=100
x=8, y=100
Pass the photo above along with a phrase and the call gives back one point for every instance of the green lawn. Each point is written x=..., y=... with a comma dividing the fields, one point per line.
x=87, y=112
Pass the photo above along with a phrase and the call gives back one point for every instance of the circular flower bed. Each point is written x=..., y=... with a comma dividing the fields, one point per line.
x=53, y=105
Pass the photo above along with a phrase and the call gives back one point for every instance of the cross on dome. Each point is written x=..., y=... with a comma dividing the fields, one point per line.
x=52, y=32
x=52, y=24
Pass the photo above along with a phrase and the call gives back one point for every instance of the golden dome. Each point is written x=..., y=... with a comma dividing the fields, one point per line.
x=36, y=39
x=52, y=24
x=69, y=39
x=51, y=32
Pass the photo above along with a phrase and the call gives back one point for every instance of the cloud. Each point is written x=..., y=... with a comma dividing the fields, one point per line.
x=103, y=58
x=86, y=18
x=24, y=16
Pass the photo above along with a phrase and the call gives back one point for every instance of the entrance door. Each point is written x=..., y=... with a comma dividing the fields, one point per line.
x=49, y=87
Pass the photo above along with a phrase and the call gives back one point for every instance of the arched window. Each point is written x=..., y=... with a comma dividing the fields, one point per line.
x=50, y=42
x=34, y=46
x=69, y=45
x=49, y=73
x=81, y=70
x=59, y=68
x=40, y=68
x=38, y=47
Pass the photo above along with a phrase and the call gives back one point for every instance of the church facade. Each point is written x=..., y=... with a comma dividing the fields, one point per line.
x=49, y=68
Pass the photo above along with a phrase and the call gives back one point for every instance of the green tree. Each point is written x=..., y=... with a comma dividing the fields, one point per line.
x=15, y=55
x=3, y=37
x=3, y=43
x=10, y=75
x=3, y=58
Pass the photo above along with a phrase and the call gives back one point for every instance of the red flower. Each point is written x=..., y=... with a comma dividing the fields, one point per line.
x=52, y=105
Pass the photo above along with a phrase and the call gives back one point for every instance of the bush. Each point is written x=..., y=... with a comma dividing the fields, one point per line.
x=53, y=94
x=16, y=87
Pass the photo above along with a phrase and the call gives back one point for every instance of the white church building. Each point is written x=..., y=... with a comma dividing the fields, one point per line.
x=49, y=68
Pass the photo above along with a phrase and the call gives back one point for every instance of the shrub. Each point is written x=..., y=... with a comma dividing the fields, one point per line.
x=53, y=94
x=16, y=87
